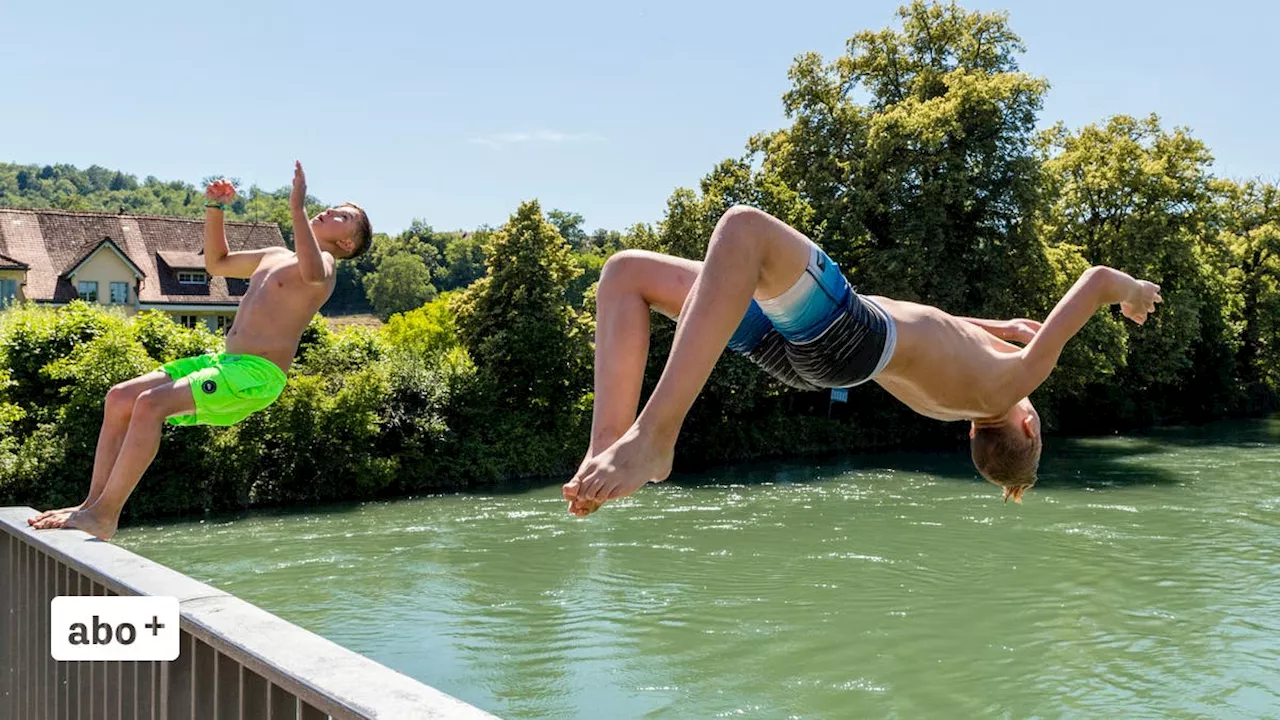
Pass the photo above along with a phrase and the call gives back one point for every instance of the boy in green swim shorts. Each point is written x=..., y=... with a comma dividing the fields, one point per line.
x=286, y=289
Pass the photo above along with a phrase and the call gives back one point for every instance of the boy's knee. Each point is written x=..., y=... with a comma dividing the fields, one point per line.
x=120, y=399
x=742, y=223
x=630, y=270
x=149, y=404
x=621, y=265
x=744, y=215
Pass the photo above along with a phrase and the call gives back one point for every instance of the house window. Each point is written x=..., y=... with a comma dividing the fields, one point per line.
x=224, y=322
x=188, y=321
x=8, y=291
x=88, y=290
x=119, y=293
x=193, y=278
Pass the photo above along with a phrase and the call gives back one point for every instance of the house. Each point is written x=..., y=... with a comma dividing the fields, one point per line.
x=131, y=262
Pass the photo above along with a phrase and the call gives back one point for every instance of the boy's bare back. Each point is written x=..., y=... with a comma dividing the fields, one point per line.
x=948, y=369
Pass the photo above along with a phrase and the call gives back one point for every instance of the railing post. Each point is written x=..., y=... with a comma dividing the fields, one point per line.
x=6, y=624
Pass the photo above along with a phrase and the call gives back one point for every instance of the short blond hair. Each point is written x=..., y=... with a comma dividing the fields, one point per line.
x=1007, y=457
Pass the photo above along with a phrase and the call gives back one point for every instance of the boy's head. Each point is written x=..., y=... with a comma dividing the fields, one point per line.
x=1007, y=452
x=344, y=231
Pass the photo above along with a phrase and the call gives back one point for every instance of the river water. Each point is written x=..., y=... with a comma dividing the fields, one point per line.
x=1139, y=579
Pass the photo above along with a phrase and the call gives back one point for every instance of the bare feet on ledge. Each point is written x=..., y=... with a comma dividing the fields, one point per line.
x=39, y=522
x=620, y=470
x=94, y=522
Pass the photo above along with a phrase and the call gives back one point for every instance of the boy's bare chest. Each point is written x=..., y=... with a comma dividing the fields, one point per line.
x=278, y=285
x=283, y=279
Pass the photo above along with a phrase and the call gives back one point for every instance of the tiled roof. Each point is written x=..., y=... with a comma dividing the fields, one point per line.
x=52, y=242
x=8, y=263
x=179, y=260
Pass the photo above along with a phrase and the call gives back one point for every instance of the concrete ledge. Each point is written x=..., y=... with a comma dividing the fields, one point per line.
x=112, y=566
x=318, y=671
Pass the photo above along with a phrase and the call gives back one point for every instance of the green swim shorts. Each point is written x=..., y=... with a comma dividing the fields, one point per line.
x=227, y=388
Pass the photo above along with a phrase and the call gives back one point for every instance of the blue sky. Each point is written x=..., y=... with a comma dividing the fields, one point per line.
x=455, y=113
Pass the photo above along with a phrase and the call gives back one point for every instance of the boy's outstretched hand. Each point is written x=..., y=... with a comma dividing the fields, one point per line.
x=1142, y=300
x=220, y=191
x=298, y=198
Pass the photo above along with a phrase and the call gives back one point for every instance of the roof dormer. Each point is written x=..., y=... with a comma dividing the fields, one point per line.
x=96, y=258
x=188, y=267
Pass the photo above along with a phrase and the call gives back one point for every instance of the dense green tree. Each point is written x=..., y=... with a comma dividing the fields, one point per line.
x=516, y=322
x=401, y=282
x=1250, y=233
x=462, y=261
x=1134, y=196
x=569, y=225
x=915, y=152
x=530, y=347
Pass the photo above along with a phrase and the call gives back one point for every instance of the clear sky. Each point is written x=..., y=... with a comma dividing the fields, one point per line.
x=456, y=112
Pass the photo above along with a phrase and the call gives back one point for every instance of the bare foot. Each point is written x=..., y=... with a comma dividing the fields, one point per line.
x=38, y=521
x=581, y=508
x=617, y=472
x=90, y=521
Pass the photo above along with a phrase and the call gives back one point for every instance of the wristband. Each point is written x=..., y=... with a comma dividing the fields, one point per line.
x=217, y=206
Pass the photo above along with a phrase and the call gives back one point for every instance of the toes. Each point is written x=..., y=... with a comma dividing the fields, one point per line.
x=590, y=489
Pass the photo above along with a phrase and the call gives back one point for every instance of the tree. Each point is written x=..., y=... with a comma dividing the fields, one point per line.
x=426, y=331
x=924, y=190
x=463, y=261
x=569, y=225
x=642, y=236
x=401, y=282
x=605, y=242
x=1250, y=234
x=529, y=345
x=120, y=181
x=1136, y=197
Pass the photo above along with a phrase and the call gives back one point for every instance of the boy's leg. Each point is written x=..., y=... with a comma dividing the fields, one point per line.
x=136, y=453
x=115, y=422
x=751, y=253
x=632, y=282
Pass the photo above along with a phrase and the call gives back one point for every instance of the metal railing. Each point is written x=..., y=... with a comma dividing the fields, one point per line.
x=236, y=661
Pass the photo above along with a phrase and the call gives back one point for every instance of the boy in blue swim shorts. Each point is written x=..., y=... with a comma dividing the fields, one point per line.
x=286, y=289
x=767, y=291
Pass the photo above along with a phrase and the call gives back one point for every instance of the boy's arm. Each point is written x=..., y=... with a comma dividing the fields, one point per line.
x=1097, y=287
x=317, y=267
x=218, y=258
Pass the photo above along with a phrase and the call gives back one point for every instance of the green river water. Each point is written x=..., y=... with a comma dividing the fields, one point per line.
x=1139, y=579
